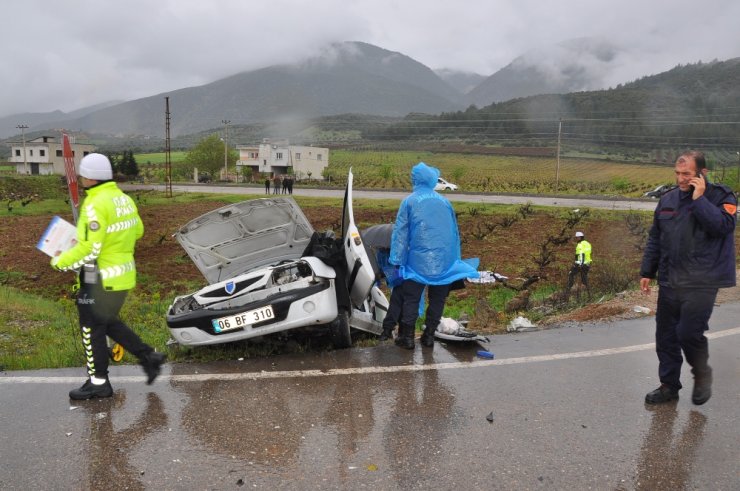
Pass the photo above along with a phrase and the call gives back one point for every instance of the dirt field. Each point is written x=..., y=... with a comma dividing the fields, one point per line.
x=164, y=266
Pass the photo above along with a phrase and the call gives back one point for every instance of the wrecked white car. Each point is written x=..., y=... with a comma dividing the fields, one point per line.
x=268, y=271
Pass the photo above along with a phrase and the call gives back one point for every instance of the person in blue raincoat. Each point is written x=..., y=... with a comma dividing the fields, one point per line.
x=425, y=246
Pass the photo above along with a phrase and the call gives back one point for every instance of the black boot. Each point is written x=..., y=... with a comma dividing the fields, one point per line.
x=405, y=338
x=152, y=363
x=661, y=395
x=91, y=391
x=386, y=334
x=427, y=338
x=702, y=385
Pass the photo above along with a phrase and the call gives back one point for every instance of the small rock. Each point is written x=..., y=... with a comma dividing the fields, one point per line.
x=489, y=418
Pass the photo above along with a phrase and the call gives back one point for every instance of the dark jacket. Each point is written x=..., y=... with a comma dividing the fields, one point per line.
x=692, y=242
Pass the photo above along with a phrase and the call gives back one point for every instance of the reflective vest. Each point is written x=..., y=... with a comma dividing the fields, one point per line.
x=583, y=252
x=107, y=230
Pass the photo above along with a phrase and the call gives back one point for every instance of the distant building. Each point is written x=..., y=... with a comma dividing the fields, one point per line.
x=43, y=155
x=275, y=157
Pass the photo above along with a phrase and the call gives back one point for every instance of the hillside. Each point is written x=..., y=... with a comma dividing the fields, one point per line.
x=571, y=66
x=694, y=105
x=348, y=78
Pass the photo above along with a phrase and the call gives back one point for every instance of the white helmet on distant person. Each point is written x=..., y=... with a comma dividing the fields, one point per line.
x=97, y=167
x=579, y=234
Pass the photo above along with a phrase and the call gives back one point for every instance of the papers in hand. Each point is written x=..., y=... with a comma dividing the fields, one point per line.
x=59, y=236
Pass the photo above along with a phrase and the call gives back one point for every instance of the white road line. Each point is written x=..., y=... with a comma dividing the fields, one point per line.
x=202, y=377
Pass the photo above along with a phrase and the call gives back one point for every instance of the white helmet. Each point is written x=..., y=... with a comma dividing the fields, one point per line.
x=579, y=234
x=97, y=167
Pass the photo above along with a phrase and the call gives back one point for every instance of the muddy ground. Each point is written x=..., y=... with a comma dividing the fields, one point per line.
x=510, y=250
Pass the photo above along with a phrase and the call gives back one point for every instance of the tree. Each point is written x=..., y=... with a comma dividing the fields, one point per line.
x=127, y=165
x=208, y=155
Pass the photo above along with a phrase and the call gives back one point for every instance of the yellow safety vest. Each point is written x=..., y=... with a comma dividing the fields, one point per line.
x=107, y=230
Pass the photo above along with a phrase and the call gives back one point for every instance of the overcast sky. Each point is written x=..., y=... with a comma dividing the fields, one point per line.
x=74, y=53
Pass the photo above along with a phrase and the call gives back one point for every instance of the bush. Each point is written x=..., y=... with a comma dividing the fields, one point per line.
x=612, y=276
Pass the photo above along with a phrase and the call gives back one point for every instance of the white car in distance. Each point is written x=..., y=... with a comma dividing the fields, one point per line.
x=443, y=185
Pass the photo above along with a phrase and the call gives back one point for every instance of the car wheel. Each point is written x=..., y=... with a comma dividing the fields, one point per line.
x=340, y=331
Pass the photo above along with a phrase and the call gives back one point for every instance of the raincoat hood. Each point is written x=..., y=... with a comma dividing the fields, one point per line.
x=424, y=176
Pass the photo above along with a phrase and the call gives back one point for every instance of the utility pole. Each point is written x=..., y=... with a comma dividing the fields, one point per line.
x=226, y=123
x=23, y=128
x=738, y=167
x=167, y=150
x=557, y=169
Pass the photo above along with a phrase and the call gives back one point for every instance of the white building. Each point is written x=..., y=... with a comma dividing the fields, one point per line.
x=43, y=155
x=275, y=157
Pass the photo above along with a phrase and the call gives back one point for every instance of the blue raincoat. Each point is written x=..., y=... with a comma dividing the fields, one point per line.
x=426, y=241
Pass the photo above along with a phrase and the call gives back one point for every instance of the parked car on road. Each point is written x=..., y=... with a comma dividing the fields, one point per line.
x=659, y=191
x=268, y=271
x=443, y=185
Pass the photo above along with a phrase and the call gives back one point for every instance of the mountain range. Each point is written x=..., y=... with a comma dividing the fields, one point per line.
x=347, y=78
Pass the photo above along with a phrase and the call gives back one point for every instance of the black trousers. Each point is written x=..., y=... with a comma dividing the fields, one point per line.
x=681, y=319
x=394, y=309
x=412, y=292
x=575, y=270
x=98, y=315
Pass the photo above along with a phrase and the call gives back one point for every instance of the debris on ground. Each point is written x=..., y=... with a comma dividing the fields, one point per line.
x=521, y=324
x=485, y=354
x=488, y=277
x=452, y=330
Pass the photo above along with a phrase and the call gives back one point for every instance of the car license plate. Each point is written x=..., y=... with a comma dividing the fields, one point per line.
x=240, y=321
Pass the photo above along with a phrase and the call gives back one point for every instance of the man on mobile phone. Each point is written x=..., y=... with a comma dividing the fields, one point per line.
x=691, y=249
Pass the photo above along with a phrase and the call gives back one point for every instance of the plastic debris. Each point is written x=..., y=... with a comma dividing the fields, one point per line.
x=372, y=467
x=452, y=330
x=640, y=309
x=488, y=277
x=68, y=434
x=520, y=324
x=485, y=354
x=489, y=418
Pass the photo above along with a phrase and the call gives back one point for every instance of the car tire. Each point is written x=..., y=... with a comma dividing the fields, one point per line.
x=341, y=337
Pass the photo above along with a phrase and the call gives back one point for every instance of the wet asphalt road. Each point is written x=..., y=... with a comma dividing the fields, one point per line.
x=613, y=203
x=567, y=408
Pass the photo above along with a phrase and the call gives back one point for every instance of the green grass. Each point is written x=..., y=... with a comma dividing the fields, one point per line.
x=40, y=333
x=159, y=157
x=495, y=173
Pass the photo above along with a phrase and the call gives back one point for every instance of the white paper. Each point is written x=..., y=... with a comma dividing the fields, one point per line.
x=58, y=237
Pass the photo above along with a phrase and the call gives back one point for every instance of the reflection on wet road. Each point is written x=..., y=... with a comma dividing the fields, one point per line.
x=567, y=407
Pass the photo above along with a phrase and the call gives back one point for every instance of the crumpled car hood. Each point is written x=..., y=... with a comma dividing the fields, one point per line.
x=246, y=236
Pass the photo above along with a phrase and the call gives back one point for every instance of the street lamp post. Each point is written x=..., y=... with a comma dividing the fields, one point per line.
x=738, y=167
x=226, y=123
x=23, y=127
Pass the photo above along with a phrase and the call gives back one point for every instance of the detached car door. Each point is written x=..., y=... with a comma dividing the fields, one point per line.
x=360, y=273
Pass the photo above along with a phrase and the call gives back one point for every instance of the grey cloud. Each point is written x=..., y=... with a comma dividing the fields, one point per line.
x=70, y=54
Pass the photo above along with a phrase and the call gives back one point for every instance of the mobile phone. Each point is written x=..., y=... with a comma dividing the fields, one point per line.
x=700, y=176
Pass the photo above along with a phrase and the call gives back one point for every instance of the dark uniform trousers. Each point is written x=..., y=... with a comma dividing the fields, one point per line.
x=394, y=309
x=98, y=314
x=681, y=319
x=412, y=292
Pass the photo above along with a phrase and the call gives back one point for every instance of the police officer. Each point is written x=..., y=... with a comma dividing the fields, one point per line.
x=582, y=263
x=107, y=231
x=691, y=248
